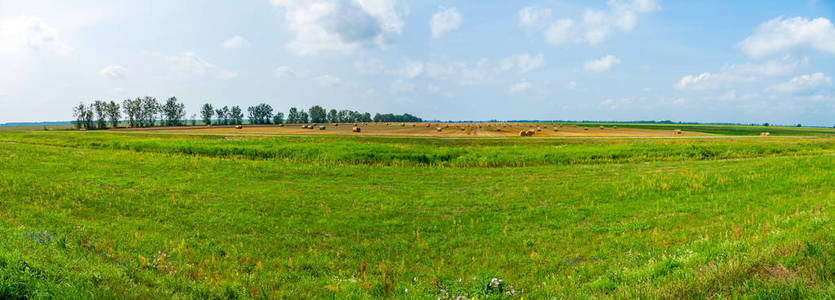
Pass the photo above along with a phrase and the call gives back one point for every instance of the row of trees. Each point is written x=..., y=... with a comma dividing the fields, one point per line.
x=144, y=112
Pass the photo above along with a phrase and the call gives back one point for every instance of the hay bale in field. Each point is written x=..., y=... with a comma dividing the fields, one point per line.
x=335, y=124
x=614, y=127
x=238, y=126
x=439, y=129
x=677, y=131
x=322, y=127
x=281, y=125
x=765, y=133
x=556, y=129
x=601, y=127
x=539, y=129
x=586, y=128
x=427, y=125
x=355, y=129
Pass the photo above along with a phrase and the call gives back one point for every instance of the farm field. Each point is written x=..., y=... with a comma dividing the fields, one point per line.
x=447, y=130
x=395, y=213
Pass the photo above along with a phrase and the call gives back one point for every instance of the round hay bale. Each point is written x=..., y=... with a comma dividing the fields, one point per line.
x=336, y=124
x=322, y=127
x=765, y=133
x=281, y=125
x=355, y=129
x=614, y=127
x=677, y=131
x=586, y=128
x=238, y=126
x=439, y=129
x=601, y=127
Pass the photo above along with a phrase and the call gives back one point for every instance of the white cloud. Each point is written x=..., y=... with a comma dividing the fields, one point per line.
x=328, y=80
x=571, y=85
x=445, y=20
x=533, y=17
x=284, y=72
x=703, y=81
x=411, y=69
x=189, y=64
x=114, y=72
x=524, y=63
x=595, y=26
x=680, y=101
x=371, y=66
x=602, y=64
x=520, y=87
x=21, y=34
x=780, y=35
x=236, y=42
x=561, y=32
x=615, y=104
x=433, y=89
x=462, y=73
x=804, y=83
x=746, y=72
x=400, y=86
x=340, y=25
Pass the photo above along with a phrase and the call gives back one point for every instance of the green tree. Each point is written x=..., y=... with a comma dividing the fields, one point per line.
x=207, y=112
x=114, y=113
x=303, y=117
x=293, y=116
x=133, y=110
x=237, y=115
x=332, y=116
x=317, y=114
x=173, y=112
x=279, y=118
x=101, y=114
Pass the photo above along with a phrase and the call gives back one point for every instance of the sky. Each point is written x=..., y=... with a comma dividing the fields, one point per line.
x=703, y=61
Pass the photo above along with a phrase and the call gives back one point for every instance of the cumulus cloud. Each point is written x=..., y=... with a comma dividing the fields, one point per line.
x=704, y=81
x=411, y=69
x=804, y=83
x=595, y=27
x=284, y=72
x=534, y=17
x=602, y=64
x=524, y=63
x=190, y=64
x=462, y=73
x=399, y=86
x=780, y=35
x=236, y=42
x=520, y=87
x=615, y=104
x=747, y=72
x=370, y=66
x=29, y=33
x=445, y=20
x=328, y=80
x=114, y=72
x=340, y=25
x=571, y=85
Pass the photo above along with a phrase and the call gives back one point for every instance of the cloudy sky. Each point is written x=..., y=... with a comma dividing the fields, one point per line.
x=709, y=61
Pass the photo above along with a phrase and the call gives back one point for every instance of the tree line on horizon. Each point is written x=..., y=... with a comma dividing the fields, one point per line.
x=146, y=111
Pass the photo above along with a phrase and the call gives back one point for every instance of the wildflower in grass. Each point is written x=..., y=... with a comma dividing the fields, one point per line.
x=406, y=290
x=414, y=279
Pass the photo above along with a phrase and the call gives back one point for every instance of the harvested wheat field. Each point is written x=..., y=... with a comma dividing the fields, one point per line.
x=443, y=130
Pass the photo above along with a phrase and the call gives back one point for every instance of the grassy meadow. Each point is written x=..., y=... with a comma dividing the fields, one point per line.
x=143, y=215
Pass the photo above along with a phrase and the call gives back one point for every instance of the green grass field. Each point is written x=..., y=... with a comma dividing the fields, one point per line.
x=143, y=215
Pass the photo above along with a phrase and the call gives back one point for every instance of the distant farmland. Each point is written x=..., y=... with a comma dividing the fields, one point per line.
x=394, y=211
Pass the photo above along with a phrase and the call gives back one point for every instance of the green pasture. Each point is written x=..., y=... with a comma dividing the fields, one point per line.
x=143, y=215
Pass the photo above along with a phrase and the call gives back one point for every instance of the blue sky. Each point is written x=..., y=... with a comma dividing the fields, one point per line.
x=709, y=61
